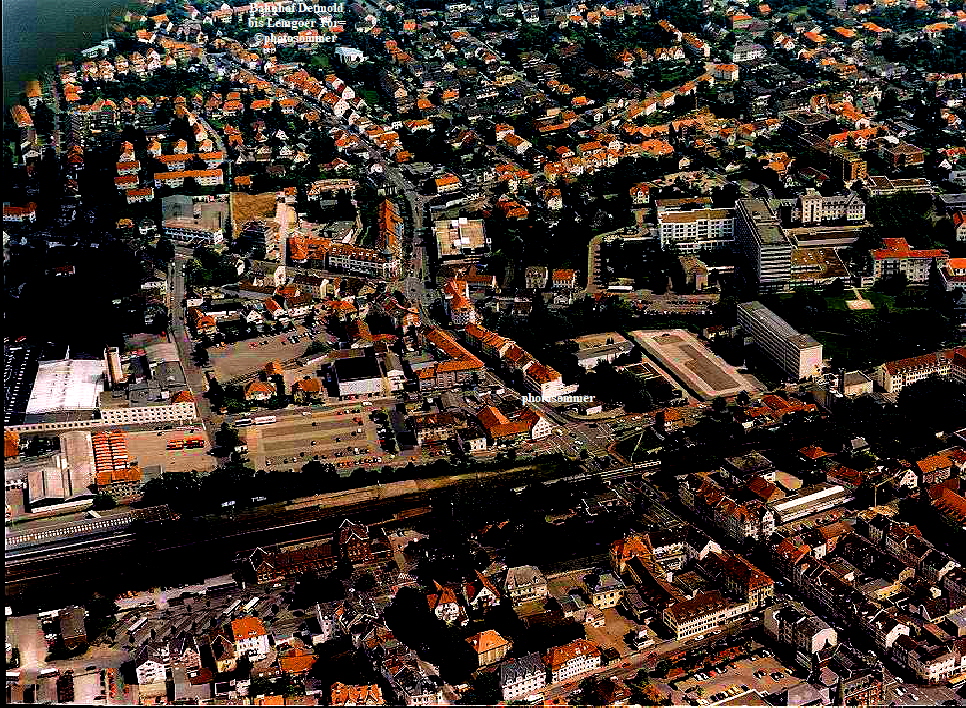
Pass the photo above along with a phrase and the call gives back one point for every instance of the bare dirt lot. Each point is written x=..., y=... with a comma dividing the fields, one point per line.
x=245, y=207
x=613, y=634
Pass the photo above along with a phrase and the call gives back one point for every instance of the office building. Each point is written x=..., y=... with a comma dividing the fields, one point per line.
x=707, y=611
x=766, y=248
x=115, y=377
x=184, y=220
x=359, y=376
x=896, y=256
x=690, y=231
x=798, y=355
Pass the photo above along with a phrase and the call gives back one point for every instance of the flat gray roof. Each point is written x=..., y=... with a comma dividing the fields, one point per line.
x=702, y=371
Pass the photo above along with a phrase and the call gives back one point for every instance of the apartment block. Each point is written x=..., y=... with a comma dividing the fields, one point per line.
x=896, y=256
x=798, y=355
x=813, y=208
x=792, y=624
x=892, y=376
x=766, y=248
x=705, y=612
x=696, y=230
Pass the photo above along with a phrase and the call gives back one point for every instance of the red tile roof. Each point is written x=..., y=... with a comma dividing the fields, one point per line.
x=899, y=248
x=247, y=628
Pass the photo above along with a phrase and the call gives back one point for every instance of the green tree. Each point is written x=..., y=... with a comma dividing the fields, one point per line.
x=103, y=502
x=164, y=250
x=316, y=347
x=227, y=437
x=200, y=355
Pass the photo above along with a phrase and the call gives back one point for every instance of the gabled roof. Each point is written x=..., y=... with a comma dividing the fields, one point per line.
x=247, y=628
x=486, y=640
x=442, y=596
x=556, y=657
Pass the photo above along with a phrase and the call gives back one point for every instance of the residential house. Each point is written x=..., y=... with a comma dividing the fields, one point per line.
x=444, y=604
x=250, y=638
x=525, y=584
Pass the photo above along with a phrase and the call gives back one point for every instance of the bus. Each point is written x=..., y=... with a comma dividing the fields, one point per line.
x=265, y=419
x=251, y=604
x=242, y=422
x=176, y=444
x=957, y=680
x=192, y=443
x=137, y=625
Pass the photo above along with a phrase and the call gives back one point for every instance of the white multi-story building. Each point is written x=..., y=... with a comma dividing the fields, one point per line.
x=366, y=261
x=190, y=231
x=150, y=665
x=569, y=660
x=798, y=355
x=767, y=250
x=705, y=612
x=893, y=376
x=522, y=677
x=931, y=662
x=525, y=584
x=896, y=256
x=162, y=413
x=696, y=230
x=813, y=208
x=205, y=178
x=545, y=381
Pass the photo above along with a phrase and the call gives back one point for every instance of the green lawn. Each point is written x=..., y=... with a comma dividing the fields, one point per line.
x=879, y=299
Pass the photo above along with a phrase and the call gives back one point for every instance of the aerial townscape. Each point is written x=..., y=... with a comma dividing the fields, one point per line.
x=489, y=352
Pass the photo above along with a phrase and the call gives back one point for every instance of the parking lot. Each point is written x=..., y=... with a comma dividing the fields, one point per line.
x=150, y=448
x=329, y=435
x=740, y=673
x=233, y=360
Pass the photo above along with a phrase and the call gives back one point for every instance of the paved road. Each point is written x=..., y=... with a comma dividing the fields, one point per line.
x=179, y=335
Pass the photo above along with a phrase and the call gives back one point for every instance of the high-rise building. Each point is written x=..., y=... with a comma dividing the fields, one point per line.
x=112, y=357
x=766, y=248
x=798, y=355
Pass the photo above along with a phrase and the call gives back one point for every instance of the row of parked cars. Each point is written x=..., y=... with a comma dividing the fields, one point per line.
x=720, y=696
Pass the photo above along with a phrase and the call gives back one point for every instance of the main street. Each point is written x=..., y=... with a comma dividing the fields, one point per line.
x=415, y=269
x=178, y=333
